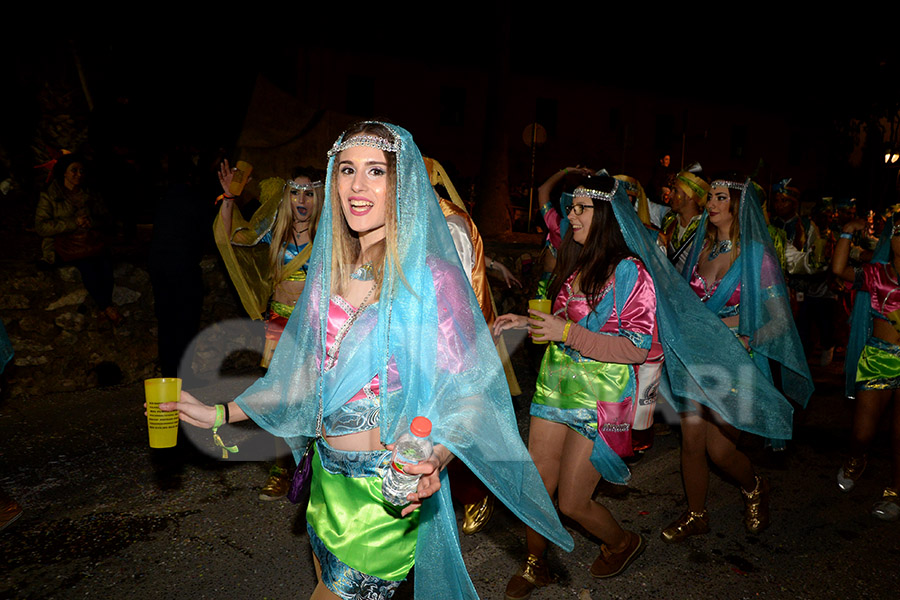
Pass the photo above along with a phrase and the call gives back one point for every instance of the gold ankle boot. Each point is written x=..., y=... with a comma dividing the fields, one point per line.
x=533, y=574
x=756, y=506
x=688, y=524
x=477, y=515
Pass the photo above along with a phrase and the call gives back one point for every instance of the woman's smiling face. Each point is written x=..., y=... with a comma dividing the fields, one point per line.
x=581, y=224
x=362, y=187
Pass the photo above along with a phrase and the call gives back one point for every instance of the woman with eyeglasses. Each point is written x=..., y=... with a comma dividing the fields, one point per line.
x=602, y=327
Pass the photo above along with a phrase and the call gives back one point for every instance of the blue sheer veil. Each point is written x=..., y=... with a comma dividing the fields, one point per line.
x=861, y=315
x=704, y=362
x=428, y=342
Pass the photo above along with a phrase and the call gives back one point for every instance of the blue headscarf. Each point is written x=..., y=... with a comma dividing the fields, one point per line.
x=741, y=389
x=467, y=402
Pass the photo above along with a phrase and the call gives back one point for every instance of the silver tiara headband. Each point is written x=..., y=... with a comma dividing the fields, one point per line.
x=597, y=194
x=734, y=185
x=304, y=186
x=372, y=141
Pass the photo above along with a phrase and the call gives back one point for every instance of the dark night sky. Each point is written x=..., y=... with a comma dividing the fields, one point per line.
x=193, y=77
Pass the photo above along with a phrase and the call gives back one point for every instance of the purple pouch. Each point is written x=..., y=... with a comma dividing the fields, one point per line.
x=302, y=476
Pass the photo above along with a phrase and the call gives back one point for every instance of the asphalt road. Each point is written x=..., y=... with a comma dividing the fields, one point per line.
x=106, y=517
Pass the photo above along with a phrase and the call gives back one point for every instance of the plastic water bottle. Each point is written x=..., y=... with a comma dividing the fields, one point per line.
x=411, y=448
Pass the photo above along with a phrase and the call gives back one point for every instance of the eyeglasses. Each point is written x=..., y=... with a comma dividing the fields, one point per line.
x=578, y=208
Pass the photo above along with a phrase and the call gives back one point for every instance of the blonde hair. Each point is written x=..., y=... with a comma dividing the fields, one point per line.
x=345, y=247
x=284, y=221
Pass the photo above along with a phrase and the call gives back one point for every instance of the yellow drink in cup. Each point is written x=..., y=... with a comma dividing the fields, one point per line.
x=240, y=177
x=162, y=426
x=544, y=306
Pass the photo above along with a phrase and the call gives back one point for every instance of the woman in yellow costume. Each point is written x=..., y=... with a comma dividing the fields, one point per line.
x=269, y=282
x=267, y=260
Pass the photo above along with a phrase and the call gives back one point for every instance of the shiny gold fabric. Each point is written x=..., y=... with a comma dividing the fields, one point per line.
x=246, y=259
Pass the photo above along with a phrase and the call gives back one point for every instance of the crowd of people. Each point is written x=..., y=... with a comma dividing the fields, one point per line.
x=371, y=278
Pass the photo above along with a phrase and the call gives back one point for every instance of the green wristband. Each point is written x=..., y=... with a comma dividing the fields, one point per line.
x=220, y=420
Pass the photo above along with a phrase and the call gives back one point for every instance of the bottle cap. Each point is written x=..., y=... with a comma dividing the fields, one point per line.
x=421, y=427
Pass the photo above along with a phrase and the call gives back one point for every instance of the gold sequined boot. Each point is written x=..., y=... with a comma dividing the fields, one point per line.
x=533, y=574
x=756, y=506
x=688, y=524
x=477, y=515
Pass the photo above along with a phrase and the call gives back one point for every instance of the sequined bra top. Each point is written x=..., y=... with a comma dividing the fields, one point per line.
x=359, y=413
x=705, y=291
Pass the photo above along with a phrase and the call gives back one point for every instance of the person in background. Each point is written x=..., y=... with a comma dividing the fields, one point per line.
x=602, y=328
x=733, y=269
x=75, y=226
x=269, y=283
x=679, y=226
x=872, y=364
x=477, y=501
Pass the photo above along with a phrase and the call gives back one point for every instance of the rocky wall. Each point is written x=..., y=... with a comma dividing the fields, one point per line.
x=61, y=344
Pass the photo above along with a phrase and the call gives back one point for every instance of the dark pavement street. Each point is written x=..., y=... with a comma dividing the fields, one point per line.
x=105, y=517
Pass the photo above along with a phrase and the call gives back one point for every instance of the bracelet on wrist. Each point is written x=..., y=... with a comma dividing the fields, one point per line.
x=221, y=418
x=565, y=334
x=846, y=235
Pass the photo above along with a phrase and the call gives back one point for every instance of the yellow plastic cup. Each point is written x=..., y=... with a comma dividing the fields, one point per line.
x=162, y=426
x=544, y=306
x=240, y=178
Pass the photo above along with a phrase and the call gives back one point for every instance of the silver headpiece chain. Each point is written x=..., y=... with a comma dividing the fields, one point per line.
x=372, y=141
x=734, y=185
x=597, y=194
x=304, y=186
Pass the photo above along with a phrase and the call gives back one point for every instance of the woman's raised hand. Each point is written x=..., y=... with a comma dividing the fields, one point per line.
x=226, y=174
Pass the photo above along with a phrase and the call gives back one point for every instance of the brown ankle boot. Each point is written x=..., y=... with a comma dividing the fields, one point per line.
x=533, y=574
x=756, y=506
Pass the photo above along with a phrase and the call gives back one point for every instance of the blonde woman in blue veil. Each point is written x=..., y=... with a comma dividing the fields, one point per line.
x=388, y=328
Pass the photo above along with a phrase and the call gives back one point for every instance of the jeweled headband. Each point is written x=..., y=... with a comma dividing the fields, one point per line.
x=304, y=186
x=372, y=141
x=597, y=194
x=733, y=185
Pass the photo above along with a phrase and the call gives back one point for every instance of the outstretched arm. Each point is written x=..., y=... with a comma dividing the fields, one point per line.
x=190, y=410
